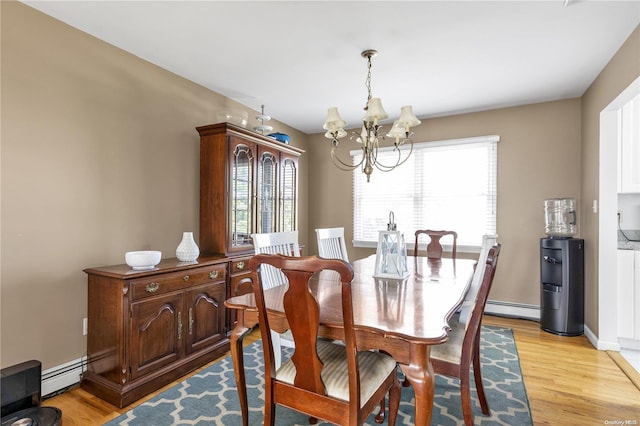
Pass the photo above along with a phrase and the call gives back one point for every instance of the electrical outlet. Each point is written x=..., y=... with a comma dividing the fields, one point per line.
x=85, y=326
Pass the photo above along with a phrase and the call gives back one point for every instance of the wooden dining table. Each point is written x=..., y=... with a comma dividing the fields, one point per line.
x=403, y=318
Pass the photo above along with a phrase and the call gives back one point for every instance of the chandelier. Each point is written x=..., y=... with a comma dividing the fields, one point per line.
x=371, y=133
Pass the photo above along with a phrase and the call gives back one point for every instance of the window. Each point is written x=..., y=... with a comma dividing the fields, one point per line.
x=443, y=185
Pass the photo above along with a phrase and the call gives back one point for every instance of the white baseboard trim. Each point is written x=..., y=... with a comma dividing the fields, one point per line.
x=515, y=310
x=600, y=344
x=60, y=377
x=518, y=310
x=632, y=344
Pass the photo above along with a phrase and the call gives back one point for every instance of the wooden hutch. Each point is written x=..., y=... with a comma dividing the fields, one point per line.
x=148, y=328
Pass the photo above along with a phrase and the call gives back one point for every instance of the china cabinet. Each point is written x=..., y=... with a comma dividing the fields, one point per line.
x=248, y=184
x=148, y=328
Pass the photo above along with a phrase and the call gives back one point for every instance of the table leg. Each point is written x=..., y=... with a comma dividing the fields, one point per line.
x=236, y=338
x=420, y=374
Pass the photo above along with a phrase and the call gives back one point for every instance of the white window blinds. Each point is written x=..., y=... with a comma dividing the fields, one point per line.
x=448, y=185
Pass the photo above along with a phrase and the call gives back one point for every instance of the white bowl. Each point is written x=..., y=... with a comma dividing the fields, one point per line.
x=234, y=116
x=142, y=259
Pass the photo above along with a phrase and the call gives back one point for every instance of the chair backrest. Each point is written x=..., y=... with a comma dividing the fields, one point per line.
x=285, y=243
x=473, y=326
x=434, y=248
x=488, y=241
x=331, y=243
x=303, y=315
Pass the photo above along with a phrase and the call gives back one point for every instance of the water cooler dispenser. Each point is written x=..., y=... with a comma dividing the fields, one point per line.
x=561, y=271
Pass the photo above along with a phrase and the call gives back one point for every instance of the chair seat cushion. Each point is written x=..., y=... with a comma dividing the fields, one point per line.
x=375, y=367
x=451, y=350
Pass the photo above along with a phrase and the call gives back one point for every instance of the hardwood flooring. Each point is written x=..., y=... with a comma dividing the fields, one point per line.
x=568, y=382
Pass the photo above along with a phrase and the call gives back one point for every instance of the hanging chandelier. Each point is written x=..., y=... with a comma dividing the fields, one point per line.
x=371, y=133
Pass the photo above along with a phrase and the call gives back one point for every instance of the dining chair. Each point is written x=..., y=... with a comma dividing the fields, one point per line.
x=434, y=248
x=488, y=241
x=331, y=244
x=323, y=379
x=285, y=243
x=454, y=357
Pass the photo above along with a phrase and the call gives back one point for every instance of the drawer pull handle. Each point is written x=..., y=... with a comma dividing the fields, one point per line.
x=185, y=278
x=240, y=265
x=190, y=321
x=213, y=275
x=152, y=287
x=179, y=325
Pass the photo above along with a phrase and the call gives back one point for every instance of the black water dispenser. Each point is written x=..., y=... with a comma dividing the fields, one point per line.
x=562, y=286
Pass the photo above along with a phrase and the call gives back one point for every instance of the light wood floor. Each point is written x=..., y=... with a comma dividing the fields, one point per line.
x=568, y=383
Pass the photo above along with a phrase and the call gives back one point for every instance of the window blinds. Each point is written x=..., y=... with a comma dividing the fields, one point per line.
x=448, y=185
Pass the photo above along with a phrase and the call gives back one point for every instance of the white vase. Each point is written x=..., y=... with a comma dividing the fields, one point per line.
x=187, y=250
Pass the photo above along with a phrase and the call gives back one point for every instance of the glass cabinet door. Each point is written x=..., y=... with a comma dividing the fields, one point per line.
x=241, y=224
x=267, y=192
x=289, y=194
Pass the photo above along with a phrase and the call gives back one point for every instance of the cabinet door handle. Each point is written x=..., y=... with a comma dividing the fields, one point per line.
x=213, y=275
x=152, y=287
x=190, y=321
x=179, y=325
x=240, y=265
x=185, y=278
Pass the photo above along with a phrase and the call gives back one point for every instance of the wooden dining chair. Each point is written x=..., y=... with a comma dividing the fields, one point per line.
x=331, y=244
x=434, y=248
x=454, y=357
x=324, y=380
x=488, y=241
x=285, y=243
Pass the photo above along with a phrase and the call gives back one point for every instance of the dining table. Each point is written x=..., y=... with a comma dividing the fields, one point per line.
x=402, y=317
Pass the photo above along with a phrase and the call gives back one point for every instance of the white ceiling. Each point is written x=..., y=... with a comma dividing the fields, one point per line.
x=300, y=57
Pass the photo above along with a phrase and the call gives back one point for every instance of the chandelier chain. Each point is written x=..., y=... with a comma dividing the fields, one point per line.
x=367, y=82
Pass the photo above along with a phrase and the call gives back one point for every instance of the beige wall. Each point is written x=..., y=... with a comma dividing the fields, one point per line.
x=538, y=158
x=99, y=156
x=621, y=71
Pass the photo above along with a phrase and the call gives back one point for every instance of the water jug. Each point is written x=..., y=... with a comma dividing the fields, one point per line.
x=560, y=217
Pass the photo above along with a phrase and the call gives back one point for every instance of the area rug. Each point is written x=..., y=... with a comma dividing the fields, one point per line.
x=210, y=397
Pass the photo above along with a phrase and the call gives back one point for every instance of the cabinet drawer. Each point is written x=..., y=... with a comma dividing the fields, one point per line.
x=164, y=283
x=239, y=266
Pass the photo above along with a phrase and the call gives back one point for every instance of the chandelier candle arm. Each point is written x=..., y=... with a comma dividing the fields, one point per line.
x=368, y=135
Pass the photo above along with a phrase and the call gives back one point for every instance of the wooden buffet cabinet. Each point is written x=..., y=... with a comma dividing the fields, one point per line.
x=148, y=328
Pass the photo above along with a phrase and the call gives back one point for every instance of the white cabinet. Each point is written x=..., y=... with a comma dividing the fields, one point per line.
x=629, y=147
x=628, y=309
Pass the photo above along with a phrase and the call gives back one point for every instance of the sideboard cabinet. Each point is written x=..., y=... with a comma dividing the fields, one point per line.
x=148, y=328
x=248, y=184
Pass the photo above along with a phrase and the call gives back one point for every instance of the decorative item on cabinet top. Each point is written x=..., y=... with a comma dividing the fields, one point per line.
x=142, y=260
x=280, y=137
x=235, y=116
x=187, y=250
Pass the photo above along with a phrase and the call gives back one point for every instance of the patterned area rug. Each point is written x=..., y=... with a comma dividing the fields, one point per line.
x=210, y=397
